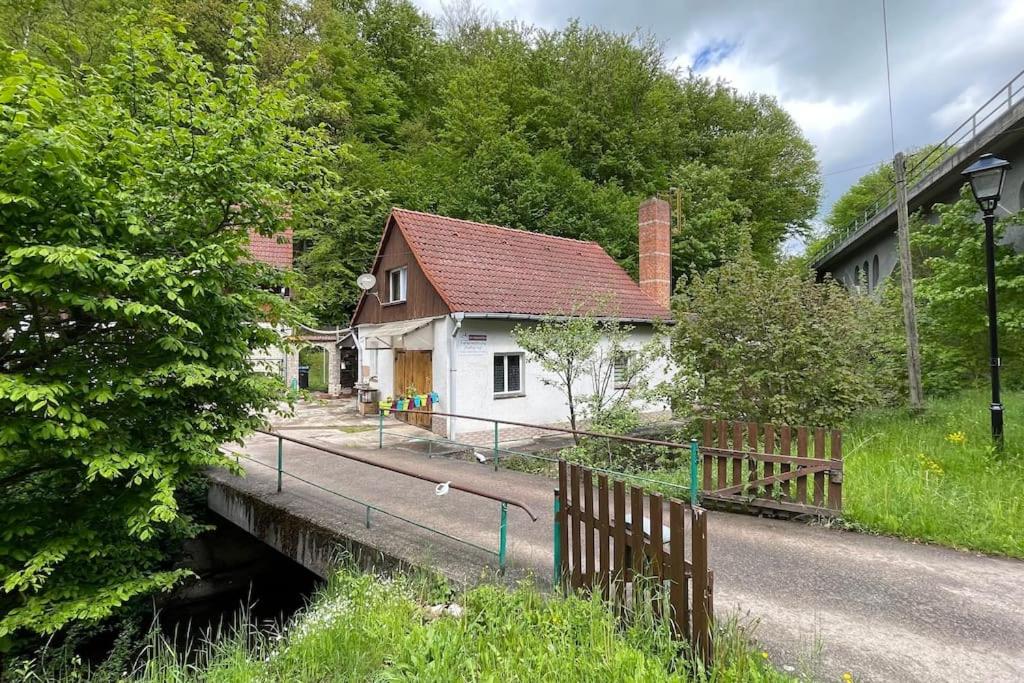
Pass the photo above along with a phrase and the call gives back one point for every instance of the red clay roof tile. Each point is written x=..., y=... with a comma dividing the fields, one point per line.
x=481, y=268
x=271, y=251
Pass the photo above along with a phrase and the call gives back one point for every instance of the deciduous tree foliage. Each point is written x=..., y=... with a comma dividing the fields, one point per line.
x=950, y=295
x=128, y=308
x=769, y=343
x=562, y=131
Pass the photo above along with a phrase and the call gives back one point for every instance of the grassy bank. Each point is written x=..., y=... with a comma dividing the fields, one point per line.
x=362, y=628
x=935, y=476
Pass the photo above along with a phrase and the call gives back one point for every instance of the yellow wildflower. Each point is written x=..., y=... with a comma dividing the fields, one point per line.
x=928, y=465
x=764, y=654
x=958, y=438
x=847, y=676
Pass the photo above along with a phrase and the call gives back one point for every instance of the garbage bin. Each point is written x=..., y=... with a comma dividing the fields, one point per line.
x=303, y=377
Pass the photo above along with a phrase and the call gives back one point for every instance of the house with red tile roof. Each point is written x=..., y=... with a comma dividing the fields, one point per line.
x=447, y=294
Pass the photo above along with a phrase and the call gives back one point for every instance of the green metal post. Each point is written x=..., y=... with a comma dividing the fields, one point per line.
x=496, y=456
x=556, y=578
x=280, y=462
x=367, y=516
x=380, y=427
x=694, y=499
x=502, y=534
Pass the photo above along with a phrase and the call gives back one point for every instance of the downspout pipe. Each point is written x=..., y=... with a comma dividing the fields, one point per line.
x=453, y=370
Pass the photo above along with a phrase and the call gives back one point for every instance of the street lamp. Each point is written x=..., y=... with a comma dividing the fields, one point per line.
x=986, y=176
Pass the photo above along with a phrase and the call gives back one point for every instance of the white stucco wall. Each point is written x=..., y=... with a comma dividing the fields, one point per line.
x=540, y=402
x=467, y=363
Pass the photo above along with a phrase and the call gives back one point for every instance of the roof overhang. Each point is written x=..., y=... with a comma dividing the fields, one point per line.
x=533, y=316
x=385, y=333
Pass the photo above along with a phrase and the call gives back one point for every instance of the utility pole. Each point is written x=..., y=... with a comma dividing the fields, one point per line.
x=907, y=285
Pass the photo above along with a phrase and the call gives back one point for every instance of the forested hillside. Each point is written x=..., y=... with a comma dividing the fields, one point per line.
x=562, y=132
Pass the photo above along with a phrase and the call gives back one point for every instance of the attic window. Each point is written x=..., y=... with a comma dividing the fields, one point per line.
x=398, y=280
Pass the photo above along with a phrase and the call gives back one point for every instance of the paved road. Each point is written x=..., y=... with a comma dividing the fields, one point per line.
x=824, y=601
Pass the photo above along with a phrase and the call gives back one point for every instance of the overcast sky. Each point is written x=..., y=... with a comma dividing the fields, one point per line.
x=824, y=60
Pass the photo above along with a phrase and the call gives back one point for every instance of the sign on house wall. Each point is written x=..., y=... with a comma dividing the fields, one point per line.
x=473, y=345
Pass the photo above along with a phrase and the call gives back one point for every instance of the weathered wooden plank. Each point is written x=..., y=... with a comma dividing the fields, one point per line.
x=636, y=540
x=699, y=559
x=835, y=485
x=563, y=521
x=588, y=526
x=801, y=451
x=819, y=477
x=577, y=550
x=722, y=443
x=603, y=535
x=657, y=550
x=621, y=571
x=769, y=449
x=775, y=479
x=767, y=504
x=678, y=589
x=785, y=448
x=753, y=446
x=709, y=461
x=737, y=445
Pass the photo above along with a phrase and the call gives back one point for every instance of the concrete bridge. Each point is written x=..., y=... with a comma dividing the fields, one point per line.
x=827, y=601
x=867, y=251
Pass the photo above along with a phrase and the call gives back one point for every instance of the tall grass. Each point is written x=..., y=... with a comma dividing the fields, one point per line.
x=365, y=628
x=935, y=476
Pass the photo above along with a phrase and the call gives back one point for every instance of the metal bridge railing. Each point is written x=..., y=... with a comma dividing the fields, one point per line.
x=1000, y=103
x=503, y=501
x=497, y=452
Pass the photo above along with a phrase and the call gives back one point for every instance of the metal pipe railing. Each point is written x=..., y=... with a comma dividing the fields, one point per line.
x=398, y=470
x=562, y=430
x=961, y=135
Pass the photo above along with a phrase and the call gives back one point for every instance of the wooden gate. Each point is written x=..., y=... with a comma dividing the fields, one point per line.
x=759, y=471
x=622, y=553
x=414, y=370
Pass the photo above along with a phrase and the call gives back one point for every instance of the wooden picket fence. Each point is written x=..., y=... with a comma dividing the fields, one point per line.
x=754, y=466
x=602, y=547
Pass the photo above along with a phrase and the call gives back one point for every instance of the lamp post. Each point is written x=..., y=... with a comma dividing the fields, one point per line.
x=986, y=176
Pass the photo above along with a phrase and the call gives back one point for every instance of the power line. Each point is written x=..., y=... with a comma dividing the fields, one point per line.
x=888, y=79
x=853, y=168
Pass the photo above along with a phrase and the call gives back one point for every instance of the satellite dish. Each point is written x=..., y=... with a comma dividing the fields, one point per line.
x=366, y=281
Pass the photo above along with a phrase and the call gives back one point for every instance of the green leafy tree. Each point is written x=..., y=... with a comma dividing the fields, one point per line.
x=579, y=354
x=871, y=193
x=128, y=307
x=769, y=343
x=950, y=293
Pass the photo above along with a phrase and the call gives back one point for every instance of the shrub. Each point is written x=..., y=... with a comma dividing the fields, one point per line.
x=769, y=343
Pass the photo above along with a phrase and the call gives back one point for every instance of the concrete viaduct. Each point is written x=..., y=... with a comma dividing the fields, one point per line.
x=867, y=251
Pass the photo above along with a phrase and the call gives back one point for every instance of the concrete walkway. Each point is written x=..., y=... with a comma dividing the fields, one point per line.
x=824, y=601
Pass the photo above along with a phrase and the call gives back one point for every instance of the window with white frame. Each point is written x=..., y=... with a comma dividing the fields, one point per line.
x=508, y=374
x=621, y=369
x=398, y=280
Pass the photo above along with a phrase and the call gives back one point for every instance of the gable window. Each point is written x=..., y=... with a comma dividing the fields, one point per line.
x=621, y=369
x=508, y=374
x=398, y=281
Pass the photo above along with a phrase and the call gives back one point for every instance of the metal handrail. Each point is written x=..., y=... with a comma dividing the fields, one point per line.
x=968, y=130
x=563, y=430
x=398, y=470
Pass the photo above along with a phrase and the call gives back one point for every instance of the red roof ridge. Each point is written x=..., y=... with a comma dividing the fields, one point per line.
x=398, y=209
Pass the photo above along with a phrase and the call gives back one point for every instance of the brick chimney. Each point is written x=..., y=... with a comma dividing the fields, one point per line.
x=656, y=250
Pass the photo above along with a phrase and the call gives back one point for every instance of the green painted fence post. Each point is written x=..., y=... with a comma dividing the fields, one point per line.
x=694, y=498
x=496, y=456
x=380, y=428
x=280, y=462
x=555, y=579
x=502, y=536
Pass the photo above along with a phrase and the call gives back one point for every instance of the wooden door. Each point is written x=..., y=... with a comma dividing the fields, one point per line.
x=414, y=369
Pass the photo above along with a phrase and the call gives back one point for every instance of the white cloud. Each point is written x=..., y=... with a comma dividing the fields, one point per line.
x=825, y=61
